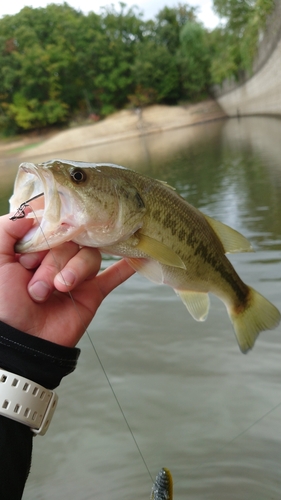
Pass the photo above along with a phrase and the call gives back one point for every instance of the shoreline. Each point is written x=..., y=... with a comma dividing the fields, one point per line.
x=121, y=125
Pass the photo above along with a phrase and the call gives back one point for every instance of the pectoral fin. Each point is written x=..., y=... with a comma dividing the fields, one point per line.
x=159, y=251
x=232, y=241
x=197, y=303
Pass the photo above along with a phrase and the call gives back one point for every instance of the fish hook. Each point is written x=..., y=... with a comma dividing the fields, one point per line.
x=20, y=213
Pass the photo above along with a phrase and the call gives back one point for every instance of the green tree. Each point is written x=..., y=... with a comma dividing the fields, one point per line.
x=194, y=61
x=169, y=23
x=114, y=53
x=57, y=63
x=235, y=44
x=155, y=73
x=225, y=56
x=236, y=12
x=34, y=58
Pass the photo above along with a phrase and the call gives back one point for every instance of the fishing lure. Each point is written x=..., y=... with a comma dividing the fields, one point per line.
x=162, y=488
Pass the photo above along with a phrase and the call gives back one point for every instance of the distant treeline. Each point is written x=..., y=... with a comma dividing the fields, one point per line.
x=58, y=64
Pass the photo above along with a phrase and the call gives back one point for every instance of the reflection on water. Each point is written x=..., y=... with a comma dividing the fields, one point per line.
x=195, y=404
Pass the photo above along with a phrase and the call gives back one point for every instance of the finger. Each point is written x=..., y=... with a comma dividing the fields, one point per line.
x=41, y=286
x=84, y=265
x=11, y=232
x=32, y=260
x=113, y=276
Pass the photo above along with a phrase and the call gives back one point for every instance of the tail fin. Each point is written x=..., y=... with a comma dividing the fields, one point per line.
x=259, y=315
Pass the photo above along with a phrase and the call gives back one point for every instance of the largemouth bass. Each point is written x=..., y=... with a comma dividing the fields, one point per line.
x=144, y=220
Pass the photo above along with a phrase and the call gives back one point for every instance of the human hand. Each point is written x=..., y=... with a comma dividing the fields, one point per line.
x=33, y=294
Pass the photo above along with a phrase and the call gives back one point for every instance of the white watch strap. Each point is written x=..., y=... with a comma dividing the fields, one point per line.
x=27, y=402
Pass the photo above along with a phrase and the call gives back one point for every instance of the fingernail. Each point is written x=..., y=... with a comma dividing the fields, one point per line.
x=66, y=277
x=39, y=290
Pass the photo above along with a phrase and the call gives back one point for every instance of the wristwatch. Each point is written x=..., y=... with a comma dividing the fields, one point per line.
x=26, y=402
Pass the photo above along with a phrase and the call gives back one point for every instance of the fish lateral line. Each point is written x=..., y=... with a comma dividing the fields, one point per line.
x=20, y=212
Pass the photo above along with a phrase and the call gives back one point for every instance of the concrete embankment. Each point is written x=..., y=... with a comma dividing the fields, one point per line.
x=260, y=93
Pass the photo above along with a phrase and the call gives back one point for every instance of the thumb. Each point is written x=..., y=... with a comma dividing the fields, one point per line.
x=12, y=231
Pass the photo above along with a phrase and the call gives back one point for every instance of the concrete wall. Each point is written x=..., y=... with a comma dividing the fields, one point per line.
x=260, y=93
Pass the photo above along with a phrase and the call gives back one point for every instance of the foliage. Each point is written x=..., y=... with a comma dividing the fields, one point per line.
x=150, y=76
x=156, y=70
x=225, y=55
x=169, y=23
x=194, y=60
x=36, y=62
x=57, y=63
x=235, y=44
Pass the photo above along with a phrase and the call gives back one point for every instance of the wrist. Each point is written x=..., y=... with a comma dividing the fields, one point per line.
x=37, y=359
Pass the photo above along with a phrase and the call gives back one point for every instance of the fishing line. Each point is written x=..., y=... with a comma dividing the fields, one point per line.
x=217, y=452
x=91, y=341
x=251, y=425
x=20, y=214
x=120, y=407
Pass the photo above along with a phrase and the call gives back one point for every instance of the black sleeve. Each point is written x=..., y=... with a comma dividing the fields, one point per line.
x=46, y=364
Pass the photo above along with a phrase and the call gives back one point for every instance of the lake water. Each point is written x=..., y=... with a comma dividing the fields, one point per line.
x=195, y=404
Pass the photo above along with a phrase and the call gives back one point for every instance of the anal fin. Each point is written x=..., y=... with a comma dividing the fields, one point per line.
x=197, y=303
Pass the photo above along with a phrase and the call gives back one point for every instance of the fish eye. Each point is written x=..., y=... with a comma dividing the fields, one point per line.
x=78, y=175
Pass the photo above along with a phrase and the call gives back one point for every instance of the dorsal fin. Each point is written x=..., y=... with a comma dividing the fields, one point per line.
x=167, y=185
x=232, y=241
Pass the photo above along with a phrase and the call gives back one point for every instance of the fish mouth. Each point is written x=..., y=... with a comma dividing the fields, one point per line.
x=48, y=203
